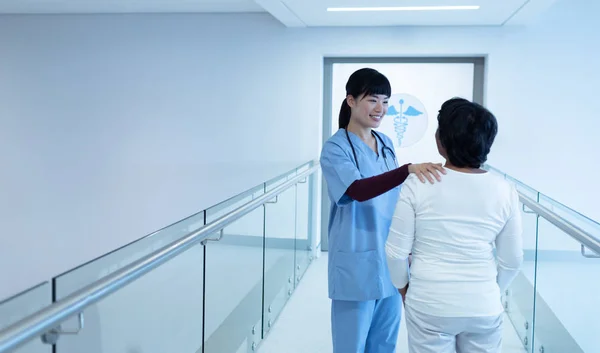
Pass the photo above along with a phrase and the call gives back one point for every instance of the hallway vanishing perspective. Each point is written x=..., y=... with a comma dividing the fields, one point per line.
x=164, y=188
x=304, y=324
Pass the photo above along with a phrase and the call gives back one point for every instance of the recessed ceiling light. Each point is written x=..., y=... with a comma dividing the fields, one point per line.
x=402, y=8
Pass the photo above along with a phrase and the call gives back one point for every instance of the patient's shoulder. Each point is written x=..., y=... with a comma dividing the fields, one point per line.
x=412, y=182
x=498, y=182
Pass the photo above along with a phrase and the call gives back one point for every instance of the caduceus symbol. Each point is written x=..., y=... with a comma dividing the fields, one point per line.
x=401, y=119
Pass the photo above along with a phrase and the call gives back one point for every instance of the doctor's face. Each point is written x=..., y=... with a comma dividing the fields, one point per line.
x=367, y=111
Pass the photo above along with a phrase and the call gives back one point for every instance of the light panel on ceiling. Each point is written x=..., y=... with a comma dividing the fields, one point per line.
x=402, y=8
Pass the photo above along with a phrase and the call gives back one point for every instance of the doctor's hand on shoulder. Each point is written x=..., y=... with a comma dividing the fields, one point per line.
x=426, y=171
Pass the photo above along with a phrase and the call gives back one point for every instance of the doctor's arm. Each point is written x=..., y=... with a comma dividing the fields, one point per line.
x=509, y=246
x=340, y=170
x=401, y=237
x=368, y=188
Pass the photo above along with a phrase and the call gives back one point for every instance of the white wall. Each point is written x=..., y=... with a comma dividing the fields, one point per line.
x=114, y=126
x=543, y=86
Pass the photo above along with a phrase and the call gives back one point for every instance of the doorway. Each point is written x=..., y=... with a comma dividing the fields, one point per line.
x=419, y=87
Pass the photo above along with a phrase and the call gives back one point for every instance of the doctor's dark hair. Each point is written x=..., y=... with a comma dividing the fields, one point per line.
x=467, y=131
x=363, y=82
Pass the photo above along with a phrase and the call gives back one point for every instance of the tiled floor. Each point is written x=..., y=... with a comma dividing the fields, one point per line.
x=303, y=326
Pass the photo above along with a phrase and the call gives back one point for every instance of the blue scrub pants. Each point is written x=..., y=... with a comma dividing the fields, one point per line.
x=366, y=327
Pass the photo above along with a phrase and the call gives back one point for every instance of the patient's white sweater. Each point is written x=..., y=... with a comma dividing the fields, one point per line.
x=452, y=227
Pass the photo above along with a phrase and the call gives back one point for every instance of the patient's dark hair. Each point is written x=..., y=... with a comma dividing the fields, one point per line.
x=467, y=131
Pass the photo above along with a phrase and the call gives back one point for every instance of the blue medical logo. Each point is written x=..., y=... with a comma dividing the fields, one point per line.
x=409, y=119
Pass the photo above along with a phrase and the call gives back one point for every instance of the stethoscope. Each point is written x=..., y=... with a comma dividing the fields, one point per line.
x=382, y=150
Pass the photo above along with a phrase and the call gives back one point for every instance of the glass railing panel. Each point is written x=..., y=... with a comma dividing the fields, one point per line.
x=519, y=298
x=20, y=306
x=280, y=229
x=303, y=224
x=524, y=189
x=555, y=243
x=579, y=220
x=160, y=312
x=567, y=310
x=234, y=280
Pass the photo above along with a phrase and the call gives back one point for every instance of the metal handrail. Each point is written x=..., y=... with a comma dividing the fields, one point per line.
x=50, y=317
x=584, y=238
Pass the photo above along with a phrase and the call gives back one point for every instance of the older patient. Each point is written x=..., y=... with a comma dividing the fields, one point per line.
x=453, y=303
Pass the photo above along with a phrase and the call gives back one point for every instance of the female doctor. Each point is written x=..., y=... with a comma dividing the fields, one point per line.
x=363, y=179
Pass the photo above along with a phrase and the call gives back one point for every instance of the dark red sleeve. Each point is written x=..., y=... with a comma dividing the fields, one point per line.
x=368, y=188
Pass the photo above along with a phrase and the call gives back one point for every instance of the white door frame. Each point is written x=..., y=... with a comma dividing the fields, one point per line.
x=478, y=97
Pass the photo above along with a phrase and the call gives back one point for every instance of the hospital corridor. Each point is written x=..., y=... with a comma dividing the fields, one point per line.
x=287, y=176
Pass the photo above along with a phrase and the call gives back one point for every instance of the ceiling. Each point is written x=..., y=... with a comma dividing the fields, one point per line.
x=127, y=6
x=313, y=13
x=305, y=13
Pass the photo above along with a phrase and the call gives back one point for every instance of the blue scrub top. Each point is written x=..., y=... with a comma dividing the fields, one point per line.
x=357, y=230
